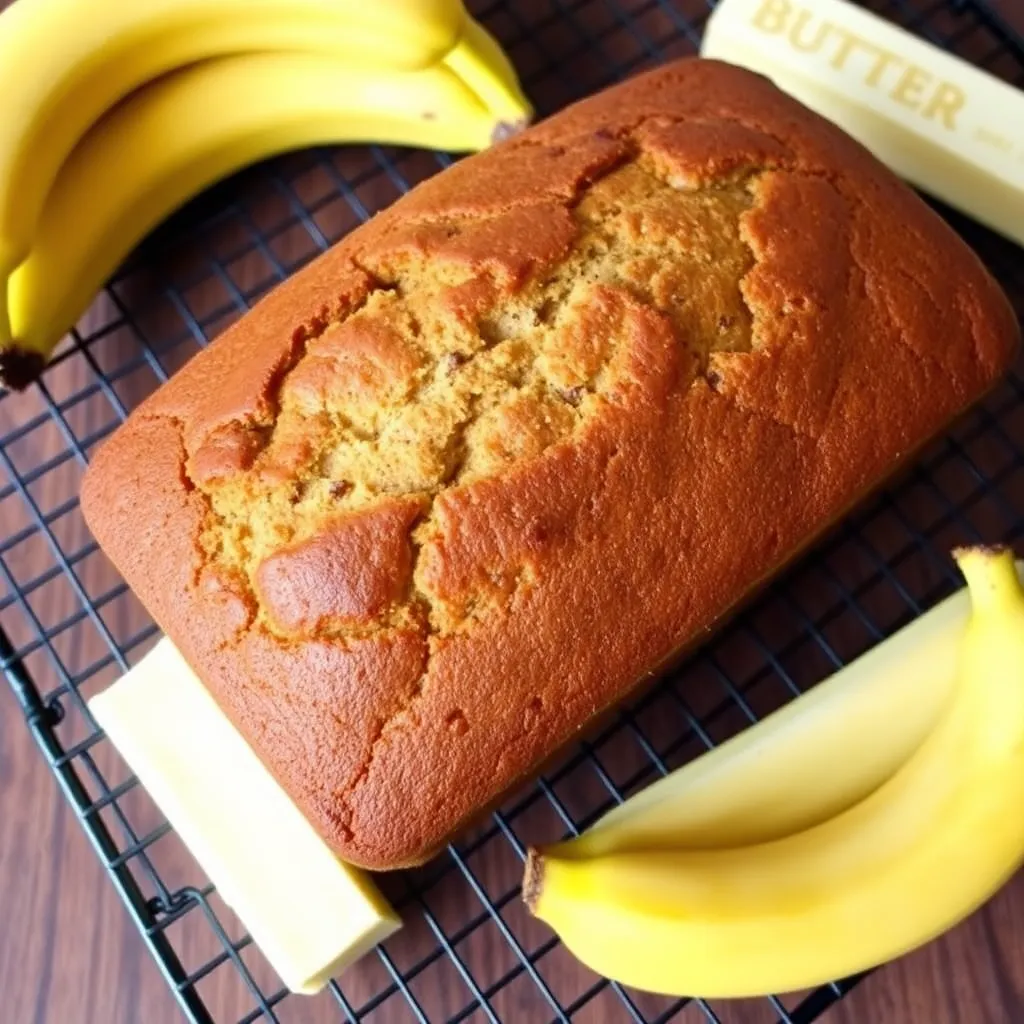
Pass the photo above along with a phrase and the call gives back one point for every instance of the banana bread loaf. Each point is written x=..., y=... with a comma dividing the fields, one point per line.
x=469, y=478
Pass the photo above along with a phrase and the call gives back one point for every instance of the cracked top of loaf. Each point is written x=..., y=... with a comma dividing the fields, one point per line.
x=464, y=482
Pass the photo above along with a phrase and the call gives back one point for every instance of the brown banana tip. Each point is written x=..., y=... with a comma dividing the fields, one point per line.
x=20, y=367
x=509, y=129
x=533, y=879
x=964, y=550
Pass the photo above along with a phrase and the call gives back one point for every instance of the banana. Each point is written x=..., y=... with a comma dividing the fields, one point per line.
x=189, y=129
x=909, y=861
x=68, y=64
x=64, y=63
x=804, y=763
x=483, y=65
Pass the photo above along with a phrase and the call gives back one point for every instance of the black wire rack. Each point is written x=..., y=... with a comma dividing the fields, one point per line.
x=469, y=951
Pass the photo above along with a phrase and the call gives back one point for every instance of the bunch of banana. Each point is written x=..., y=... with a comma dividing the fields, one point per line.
x=116, y=113
x=830, y=838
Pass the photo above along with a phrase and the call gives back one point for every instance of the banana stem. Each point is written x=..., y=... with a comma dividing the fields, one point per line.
x=533, y=879
x=481, y=63
x=991, y=576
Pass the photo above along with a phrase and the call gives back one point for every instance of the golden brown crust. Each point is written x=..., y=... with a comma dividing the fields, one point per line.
x=465, y=481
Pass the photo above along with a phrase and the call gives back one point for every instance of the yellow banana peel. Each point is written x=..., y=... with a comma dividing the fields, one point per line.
x=895, y=869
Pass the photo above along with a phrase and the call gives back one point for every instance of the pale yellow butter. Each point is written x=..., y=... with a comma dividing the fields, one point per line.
x=949, y=128
x=309, y=913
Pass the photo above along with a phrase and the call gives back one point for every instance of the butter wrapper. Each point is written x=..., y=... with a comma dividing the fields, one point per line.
x=947, y=127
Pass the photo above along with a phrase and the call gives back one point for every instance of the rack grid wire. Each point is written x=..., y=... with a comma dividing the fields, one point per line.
x=469, y=951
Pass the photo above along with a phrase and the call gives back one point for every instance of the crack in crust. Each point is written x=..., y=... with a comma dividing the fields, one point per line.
x=436, y=381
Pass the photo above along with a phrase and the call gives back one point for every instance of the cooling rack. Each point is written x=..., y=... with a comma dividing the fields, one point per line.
x=469, y=952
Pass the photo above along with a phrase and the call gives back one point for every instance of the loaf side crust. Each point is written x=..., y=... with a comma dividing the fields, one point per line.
x=461, y=484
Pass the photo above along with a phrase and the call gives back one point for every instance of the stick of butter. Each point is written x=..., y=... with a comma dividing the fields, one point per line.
x=310, y=913
x=949, y=128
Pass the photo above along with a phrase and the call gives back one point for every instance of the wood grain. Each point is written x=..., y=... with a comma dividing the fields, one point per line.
x=69, y=952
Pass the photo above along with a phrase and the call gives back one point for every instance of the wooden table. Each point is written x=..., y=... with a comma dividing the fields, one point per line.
x=69, y=953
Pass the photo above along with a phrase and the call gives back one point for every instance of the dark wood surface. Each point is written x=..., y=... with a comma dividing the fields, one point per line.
x=69, y=953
